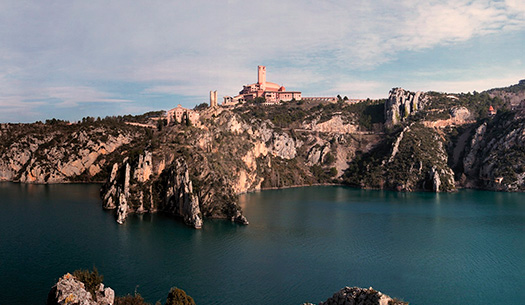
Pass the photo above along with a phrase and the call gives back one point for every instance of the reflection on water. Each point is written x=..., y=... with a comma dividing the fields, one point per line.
x=301, y=245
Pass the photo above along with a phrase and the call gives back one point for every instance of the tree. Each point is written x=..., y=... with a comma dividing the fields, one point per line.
x=161, y=124
x=259, y=100
x=91, y=280
x=201, y=106
x=178, y=296
x=136, y=299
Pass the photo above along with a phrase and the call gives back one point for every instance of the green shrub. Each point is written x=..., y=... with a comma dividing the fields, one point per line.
x=91, y=280
x=136, y=299
x=177, y=296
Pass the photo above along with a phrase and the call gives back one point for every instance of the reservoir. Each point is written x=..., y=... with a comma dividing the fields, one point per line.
x=302, y=245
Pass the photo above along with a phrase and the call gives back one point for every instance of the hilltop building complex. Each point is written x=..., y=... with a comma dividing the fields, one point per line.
x=271, y=92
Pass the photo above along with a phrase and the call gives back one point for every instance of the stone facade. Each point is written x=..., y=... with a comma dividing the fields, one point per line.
x=179, y=114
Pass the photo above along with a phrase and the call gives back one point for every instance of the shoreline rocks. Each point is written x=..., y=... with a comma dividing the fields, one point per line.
x=360, y=296
x=69, y=290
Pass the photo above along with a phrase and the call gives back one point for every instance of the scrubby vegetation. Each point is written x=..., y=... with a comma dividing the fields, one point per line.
x=91, y=280
x=367, y=114
x=419, y=149
x=477, y=103
x=129, y=299
x=178, y=296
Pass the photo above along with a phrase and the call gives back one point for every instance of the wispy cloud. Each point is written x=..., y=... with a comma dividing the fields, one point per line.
x=72, y=96
x=59, y=51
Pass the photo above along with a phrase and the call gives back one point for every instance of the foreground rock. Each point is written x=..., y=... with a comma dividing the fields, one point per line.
x=73, y=291
x=69, y=290
x=360, y=296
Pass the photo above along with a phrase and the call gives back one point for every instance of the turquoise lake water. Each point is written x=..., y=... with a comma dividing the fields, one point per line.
x=302, y=245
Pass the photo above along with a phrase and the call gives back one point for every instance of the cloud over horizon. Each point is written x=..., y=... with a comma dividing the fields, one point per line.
x=63, y=53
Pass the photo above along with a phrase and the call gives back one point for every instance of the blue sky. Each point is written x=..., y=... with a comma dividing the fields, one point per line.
x=69, y=59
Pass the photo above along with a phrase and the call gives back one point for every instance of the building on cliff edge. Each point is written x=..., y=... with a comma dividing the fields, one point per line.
x=271, y=92
x=180, y=114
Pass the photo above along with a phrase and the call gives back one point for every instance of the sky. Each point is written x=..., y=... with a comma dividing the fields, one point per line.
x=70, y=59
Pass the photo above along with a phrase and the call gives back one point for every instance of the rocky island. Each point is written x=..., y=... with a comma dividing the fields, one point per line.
x=194, y=163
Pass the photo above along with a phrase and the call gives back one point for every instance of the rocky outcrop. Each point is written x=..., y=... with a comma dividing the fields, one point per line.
x=401, y=104
x=135, y=187
x=144, y=168
x=334, y=125
x=395, y=146
x=123, y=208
x=180, y=199
x=360, y=296
x=458, y=116
x=317, y=154
x=283, y=146
x=69, y=290
x=469, y=162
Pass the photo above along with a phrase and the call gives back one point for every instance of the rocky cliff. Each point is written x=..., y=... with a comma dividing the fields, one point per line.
x=414, y=158
x=432, y=141
x=499, y=144
x=58, y=153
x=401, y=104
x=70, y=290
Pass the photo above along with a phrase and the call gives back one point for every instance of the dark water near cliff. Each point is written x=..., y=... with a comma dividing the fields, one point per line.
x=302, y=245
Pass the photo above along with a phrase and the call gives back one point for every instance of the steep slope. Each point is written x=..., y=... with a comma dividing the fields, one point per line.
x=61, y=152
x=414, y=159
x=422, y=141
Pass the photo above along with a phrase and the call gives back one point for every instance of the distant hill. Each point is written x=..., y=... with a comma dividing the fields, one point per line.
x=513, y=96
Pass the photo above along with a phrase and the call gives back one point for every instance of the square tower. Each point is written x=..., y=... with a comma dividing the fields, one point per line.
x=261, y=77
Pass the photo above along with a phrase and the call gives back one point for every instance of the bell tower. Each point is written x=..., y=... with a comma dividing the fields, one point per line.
x=261, y=77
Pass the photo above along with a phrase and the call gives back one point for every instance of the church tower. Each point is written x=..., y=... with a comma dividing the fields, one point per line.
x=261, y=77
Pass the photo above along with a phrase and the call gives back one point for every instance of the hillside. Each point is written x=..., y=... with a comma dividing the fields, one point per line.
x=411, y=141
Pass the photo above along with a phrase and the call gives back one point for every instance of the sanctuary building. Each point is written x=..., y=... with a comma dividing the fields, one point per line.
x=180, y=115
x=271, y=92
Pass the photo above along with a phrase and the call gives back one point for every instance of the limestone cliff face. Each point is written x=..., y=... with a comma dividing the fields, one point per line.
x=416, y=159
x=334, y=125
x=168, y=187
x=494, y=158
x=41, y=153
x=180, y=199
x=401, y=104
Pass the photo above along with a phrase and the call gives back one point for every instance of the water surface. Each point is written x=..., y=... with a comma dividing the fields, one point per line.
x=301, y=245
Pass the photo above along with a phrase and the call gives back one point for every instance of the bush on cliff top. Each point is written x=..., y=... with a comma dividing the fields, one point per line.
x=177, y=296
x=91, y=280
x=136, y=299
